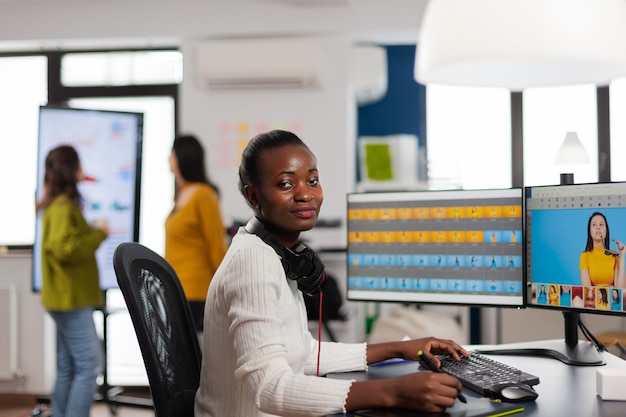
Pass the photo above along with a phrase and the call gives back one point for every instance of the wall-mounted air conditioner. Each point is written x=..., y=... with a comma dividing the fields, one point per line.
x=259, y=63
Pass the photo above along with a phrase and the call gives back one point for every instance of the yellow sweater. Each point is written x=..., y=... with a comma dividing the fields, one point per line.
x=195, y=241
x=601, y=267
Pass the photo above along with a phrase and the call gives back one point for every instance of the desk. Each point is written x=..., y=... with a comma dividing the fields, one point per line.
x=564, y=390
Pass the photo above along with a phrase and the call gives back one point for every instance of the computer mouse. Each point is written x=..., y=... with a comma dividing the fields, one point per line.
x=514, y=392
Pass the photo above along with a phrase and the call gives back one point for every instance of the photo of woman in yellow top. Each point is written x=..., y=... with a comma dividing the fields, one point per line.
x=600, y=266
x=553, y=295
x=602, y=299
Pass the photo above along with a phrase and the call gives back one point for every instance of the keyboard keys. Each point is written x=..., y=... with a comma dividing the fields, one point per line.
x=480, y=373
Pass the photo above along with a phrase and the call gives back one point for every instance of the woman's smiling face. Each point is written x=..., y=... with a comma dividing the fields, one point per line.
x=289, y=193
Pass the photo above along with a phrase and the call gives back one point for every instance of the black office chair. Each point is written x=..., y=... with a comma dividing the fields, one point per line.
x=164, y=327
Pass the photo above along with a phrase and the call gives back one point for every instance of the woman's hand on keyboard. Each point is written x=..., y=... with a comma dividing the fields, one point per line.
x=424, y=391
x=408, y=349
x=432, y=346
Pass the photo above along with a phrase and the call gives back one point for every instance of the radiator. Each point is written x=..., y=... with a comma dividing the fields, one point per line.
x=8, y=332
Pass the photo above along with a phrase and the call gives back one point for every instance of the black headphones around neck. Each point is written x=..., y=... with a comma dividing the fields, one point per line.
x=300, y=263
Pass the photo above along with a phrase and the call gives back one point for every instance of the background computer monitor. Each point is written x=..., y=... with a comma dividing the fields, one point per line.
x=557, y=231
x=109, y=147
x=459, y=247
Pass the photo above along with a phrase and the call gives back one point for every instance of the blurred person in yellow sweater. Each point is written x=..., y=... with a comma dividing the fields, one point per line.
x=195, y=237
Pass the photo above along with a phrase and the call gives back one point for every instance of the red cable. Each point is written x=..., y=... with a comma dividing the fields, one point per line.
x=319, y=333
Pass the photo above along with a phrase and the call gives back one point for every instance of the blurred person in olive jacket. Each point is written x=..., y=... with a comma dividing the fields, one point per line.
x=70, y=290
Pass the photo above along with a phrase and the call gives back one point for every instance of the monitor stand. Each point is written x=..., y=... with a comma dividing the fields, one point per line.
x=570, y=351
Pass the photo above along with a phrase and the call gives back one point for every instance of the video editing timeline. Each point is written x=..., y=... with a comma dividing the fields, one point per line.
x=557, y=218
x=452, y=247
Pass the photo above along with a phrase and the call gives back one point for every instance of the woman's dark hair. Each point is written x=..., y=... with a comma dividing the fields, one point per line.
x=607, y=238
x=190, y=156
x=251, y=156
x=60, y=175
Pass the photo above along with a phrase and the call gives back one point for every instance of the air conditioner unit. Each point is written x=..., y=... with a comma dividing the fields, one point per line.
x=259, y=63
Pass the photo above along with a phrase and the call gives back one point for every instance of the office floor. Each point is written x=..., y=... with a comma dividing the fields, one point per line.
x=125, y=365
x=24, y=406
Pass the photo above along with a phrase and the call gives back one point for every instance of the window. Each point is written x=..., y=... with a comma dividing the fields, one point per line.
x=124, y=363
x=549, y=113
x=469, y=137
x=157, y=184
x=24, y=87
x=144, y=81
x=121, y=68
x=617, y=99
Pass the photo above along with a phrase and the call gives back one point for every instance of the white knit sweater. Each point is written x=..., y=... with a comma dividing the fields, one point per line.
x=259, y=357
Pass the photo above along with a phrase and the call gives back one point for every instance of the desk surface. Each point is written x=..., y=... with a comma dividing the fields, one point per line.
x=564, y=390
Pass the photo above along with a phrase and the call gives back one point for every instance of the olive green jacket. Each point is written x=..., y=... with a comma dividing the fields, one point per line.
x=68, y=261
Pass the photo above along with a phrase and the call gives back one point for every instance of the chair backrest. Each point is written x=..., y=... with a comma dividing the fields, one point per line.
x=162, y=319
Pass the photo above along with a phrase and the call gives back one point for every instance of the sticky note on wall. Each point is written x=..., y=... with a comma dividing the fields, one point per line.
x=378, y=161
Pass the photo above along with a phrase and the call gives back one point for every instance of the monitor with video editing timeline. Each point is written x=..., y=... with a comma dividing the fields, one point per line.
x=573, y=260
x=461, y=247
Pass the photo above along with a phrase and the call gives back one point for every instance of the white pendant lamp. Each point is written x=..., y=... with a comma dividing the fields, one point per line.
x=518, y=44
x=572, y=151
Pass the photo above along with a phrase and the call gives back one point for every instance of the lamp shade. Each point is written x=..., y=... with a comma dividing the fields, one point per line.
x=572, y=151
x=518, y=44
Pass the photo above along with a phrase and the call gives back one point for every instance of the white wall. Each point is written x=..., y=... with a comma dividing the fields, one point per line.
x=323, y=117
x=36, y=338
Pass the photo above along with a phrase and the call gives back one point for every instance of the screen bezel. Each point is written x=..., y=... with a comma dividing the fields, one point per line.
x=447, y=298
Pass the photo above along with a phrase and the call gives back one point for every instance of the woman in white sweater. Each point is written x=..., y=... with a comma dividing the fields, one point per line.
x=259, y=357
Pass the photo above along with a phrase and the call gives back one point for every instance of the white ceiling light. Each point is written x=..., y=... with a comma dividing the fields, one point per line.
x=521, y=43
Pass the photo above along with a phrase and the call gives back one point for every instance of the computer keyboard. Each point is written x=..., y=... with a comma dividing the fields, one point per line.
x=481, y=374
